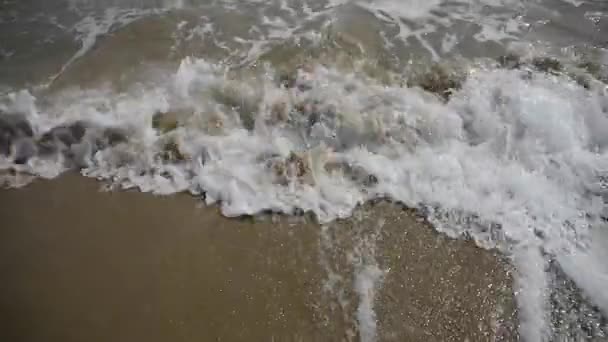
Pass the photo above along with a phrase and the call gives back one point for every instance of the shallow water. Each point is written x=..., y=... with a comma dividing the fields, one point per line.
x=83, y=264
x=321, y=106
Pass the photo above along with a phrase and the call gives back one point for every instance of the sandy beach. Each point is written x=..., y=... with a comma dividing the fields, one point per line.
x=80, y=264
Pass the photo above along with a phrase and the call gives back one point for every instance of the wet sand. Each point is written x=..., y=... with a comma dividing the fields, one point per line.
x=80, y=264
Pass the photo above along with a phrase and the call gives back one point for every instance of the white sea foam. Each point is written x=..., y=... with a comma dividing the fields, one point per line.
x=367, y=276
x=593, y=282
x=367, y=282
x=496, y=137
x=512, y=160
x=91, y=27
x=417, y=19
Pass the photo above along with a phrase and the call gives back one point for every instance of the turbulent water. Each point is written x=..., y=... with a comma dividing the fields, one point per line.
x=489, y=116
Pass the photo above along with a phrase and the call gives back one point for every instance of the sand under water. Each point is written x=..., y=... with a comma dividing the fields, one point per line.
x=81, y=264
x=487, y=119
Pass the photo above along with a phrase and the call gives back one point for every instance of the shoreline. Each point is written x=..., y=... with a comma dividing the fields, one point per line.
x=81, y=264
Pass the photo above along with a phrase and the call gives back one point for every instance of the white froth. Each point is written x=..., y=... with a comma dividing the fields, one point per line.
x=418, y=19
x=409, y=9
x=589, y=269
x=575, y=2
x=531, y=294
x=367, y=279
x=514, y=152
x=512, y=160
x=367, y=276
x=90, y=28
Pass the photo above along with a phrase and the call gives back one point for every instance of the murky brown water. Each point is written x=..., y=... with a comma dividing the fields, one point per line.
x=82, y=265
